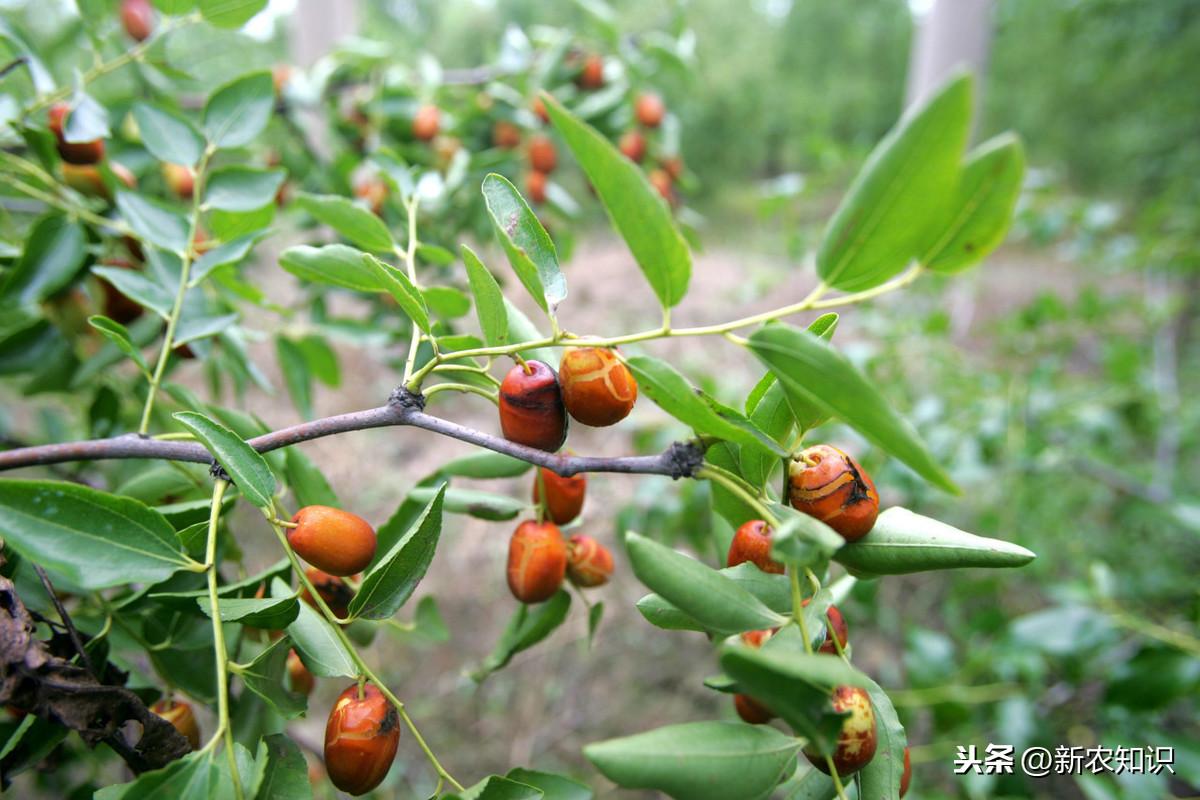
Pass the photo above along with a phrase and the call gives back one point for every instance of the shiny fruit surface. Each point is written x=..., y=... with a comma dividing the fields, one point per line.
x=180, y=714
x=589, y=563
x=828, y=484
x=752, y=542
x=564, y=496
x=597, y=388
x=332, y=540
x=537, y=561
x=531, y=407
x=361, y=738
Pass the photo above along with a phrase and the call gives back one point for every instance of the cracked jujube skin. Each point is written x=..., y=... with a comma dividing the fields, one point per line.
x=361, y=738
x=537, y=561
x=828, y=484
x=857, y=740
x=564, y=496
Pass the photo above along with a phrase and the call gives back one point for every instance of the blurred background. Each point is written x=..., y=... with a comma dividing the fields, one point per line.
x=1052, y=381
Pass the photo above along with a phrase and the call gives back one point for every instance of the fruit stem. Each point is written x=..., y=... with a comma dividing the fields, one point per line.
x=409, y=254
x=461, y=387
x=185, y=269
x=739, y=487
x=798, y=608
x=224, y=729
x=837, y=780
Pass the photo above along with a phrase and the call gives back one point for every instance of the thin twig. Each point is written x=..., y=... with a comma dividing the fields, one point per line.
x=66, y=620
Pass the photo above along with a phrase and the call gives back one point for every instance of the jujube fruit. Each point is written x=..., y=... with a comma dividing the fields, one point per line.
x=137, y=17
x=531, y=407
x=751, y=711
x=543, y=156
x=426, y=122
x=301, y=680
x=589, y=563
x=662, y=183
x=539, y=110
x=179, y=179
x=361, y=738
x=181, y=716
x=752, y=542
x=72, y=152
x=537, y=561
x=828, y=484
x=857, y=740
x=649, y=110
x=673, y=166
x=332, y=540
x=632, y=145
x=597, y=388
x=535, y=186
x=836, y=625
x=116, y=305
x=506, y=135
x=564, y=496
x=591, y=74
x=374, y=191
x=336, y=593
x=906, y=776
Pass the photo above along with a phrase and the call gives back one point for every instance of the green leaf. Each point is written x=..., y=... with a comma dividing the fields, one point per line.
x=495, y=787
x=286, y=773
x=529, y=248
x=715, y=601
x=118, y=334
x=222, y=255
x=900, y=196
x=810, y=784
x=332, y=265
x=316, y=642
x=202, y=327
x=481, y=505
x=663, y=384
x=192, y=777
x=446, y=301
x=153, y=222
x=321, y=358
x=521, y=329
x=773, y=591
x=528, y=626
x=880, y=779
x=295, y=375
x=803, y=541
x=139, y=288
x=698, y=760
x=489, y=300
x=806, y=414
x=264, y=676
x=307, y=481
x=982, y=208
x=730, y=505
x=393, y=578
x=639, y=214
x=92, y=538
x=402, y=290
x=271, y=614
x=773, y=416
x=237, y=113
x=595, y=615
x=354, y=222
x=903, y=542
x=554, y=787
x=485, y=464
x=168, y=136
x=240, y=188
x=230, y=13
x=53, y=255
x=244, y=464
x=811, y=369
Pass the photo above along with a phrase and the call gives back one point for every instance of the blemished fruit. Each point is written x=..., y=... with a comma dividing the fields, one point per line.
x=836, y=625
x=543, y=156
x=72, y=152
x=564, y=496
x=535, y=186
x=591, y=74
x=137, y=17
x=906, y=777
x=361, y=738
x=589, y=563
x=828, y=484
x=180, y=715
x=332, y=540
x=662, y=183
x=506, y=135
x=426, y=122
x=531, y=407
x=649, y=110
x=336, y=593
x=858, y=739
x=179, y=179
x=374, y=191
x=597, y=388
x=300, y=679
x=751, y=711
x=752, y=542
x=633, y=145
x=537, y=561
x=85, y=179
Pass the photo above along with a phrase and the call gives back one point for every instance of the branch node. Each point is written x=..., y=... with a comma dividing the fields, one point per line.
x=685, y=459
x=218, y=472
x=405, y=400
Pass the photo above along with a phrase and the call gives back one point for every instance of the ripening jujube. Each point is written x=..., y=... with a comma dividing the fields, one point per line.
x=506, y=135
x=589, y=563
x=564, y=496
x=535, y=186
x=828, y=484
x=88, y=152
x=749, y=709
x=632, y=145
x=537, y=561
x=597, y=388
x=531, y=407
x=835, y=626
x=857, y=740
x=361, y=738
x=137, y=17
x=591, y=74
x=650, y=110
x=180, y=180
x=181, y=716
x=426, y=123
x=906, y=776
x=752, y=542
x=332, y=540
x=299, y=676
x=543, y=156
x=336, y=593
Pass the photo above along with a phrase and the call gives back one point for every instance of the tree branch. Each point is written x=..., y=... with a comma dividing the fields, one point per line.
x=404, y=408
